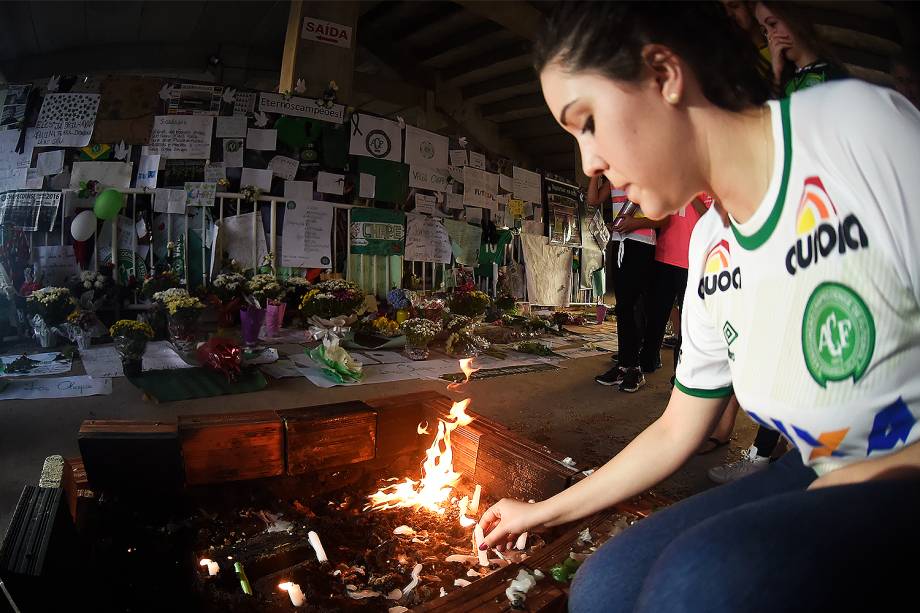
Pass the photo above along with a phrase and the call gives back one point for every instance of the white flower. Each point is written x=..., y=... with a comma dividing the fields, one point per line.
x=98, y=284
x=87, y=284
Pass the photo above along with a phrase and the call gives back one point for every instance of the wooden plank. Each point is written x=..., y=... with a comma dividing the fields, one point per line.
x=131, y=455
x=231, y=447
x=329, y=436
x=397, y=418
x=77, y=492
x=507, y=469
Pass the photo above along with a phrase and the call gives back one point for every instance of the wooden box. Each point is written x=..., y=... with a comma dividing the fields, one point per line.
x=397, y=419
x=131, y=455
x=329, y=436
x=76, y=487
x=231, y=447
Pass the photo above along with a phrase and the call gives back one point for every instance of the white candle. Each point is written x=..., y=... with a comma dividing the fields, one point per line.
x=479, y=538
x=213, y=567
x=294, y=592
x=521, y=542
x=317, y=546
x=474, y=504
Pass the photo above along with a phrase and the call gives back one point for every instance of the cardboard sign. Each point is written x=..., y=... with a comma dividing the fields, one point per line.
x=433, y=179
x=301, y=107
x=326, y=32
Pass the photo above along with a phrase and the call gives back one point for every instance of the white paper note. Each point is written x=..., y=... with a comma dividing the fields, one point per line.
x=104, y=361
x=375, y=137
x=181, y=136
x=424, y=148
x=458, y=157
x=44, y=364
x=66, y=120
x=258, y=177
x=426, y=240
x=50, y=162
x=231, y=127
x=424, y=203
x=214, y=172
x=526, y=185
x=367, y=186
x=233, y=152
x=169, y=201
x=108, y=174
x=148, y=169
x=455, y=201
x=34, y=179
x=432, y=179
x=56, y=387
x=261, y=140
x=200, y=194
x=284, y=167
x=235, y=236
x=55, y=264
x=330, y=183
x=307, y=238
x=477, y=160
x=480, y=188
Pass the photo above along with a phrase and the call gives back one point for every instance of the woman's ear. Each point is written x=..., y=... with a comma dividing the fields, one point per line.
x=667, y=71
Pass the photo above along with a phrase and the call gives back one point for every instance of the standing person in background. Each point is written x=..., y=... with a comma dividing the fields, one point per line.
x=800, y=60
x=630, y=254
x=742, y=12
x=669, y=278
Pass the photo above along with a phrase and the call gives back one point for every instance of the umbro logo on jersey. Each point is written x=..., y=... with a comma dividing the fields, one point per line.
x=820, y=230
x=718, y=275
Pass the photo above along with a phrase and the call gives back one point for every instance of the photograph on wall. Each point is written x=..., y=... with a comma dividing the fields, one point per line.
x=563, y=210
x=13, y=100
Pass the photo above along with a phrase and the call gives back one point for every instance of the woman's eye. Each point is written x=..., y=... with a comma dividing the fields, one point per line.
x=589, y=125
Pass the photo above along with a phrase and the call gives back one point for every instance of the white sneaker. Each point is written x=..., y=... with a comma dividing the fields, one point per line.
x=749, y=464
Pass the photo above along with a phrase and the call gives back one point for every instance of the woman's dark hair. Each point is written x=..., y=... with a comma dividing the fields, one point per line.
x=608, y=37
x=803, y=30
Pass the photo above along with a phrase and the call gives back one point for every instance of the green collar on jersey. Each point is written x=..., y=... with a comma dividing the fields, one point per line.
x=759, y=237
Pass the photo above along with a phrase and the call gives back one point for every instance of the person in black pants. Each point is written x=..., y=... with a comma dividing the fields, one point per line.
x=667, y=288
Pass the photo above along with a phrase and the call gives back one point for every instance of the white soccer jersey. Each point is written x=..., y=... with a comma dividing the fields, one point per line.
x=809, y=310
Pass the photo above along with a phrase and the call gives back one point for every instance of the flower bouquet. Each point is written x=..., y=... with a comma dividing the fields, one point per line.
x=130, y=338
x=419, y=333
x=221, y=355
x=227, y=291
x=182, y=312
x=330, y=307
x=81, y=326
x=400, y=301
x=465, y=300
x=159, y=282
x=461, y=341
x=269, y=292
x=335, y=362
x=92, y=289
x=431, y=309
x=47, y=308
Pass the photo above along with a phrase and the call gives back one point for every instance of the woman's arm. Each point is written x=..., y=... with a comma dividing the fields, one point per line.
x=905, y=461
x=651, y=457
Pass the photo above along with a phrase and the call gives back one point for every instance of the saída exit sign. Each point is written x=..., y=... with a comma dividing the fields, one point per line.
x=326, y=32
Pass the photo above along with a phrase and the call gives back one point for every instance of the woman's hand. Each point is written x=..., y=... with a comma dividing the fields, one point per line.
x=507, y=519
x=628, y=225
x=777, y=45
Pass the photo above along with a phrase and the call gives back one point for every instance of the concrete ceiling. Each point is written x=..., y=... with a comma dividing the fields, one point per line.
x=471, y=55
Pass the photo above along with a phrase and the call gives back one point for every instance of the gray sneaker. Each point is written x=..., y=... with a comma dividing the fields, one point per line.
x=633, y=380
x=749, y=464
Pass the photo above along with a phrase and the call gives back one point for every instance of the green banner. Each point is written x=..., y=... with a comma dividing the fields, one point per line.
x=378, y=232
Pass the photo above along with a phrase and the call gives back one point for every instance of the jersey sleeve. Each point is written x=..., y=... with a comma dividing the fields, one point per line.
x=702, y=367
x=881, y=151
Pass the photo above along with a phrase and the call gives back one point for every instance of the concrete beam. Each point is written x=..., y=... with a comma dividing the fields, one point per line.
x=517, y=103
x=515, y=15
x=519, y=77
x=532, y=127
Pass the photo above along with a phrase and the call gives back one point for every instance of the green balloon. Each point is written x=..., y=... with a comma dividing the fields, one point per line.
x=108, y=203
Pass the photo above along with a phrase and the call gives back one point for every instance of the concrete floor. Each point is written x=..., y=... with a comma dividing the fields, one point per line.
x=565, y=410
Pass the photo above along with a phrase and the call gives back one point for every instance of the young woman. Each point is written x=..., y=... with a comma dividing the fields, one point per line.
x=799, y=57
x=807, y=306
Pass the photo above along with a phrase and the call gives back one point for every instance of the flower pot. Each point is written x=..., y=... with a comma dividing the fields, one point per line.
x=227, y=313
x=274, y=316
x=132, y=367
x=402, y=315
x=416, y=350
x=250, y=323
x=183, y=329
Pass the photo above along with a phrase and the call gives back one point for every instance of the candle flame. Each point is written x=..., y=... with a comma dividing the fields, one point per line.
x=285, y=586
x=204, y=562
x=422, y=429
x=466, y=365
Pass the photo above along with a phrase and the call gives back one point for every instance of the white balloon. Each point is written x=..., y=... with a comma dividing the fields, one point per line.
x=83, y=225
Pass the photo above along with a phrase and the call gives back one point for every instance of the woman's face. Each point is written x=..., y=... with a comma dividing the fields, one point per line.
x=775, y=30
x=629, y=133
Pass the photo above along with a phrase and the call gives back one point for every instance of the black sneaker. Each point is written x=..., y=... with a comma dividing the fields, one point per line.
x=632, y=380
x=614, y=376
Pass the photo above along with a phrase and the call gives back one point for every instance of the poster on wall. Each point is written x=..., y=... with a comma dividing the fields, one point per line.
x=563, y=213
x=188, y=99
x=13, y=100
x=375, y=137
x=14, y=167
x=426, y=148
x=427, y=240
x=66, y=120
x=29, y=211
x=433, y=179
x=301, y=107
x=480, y=188
x=526, y=185
x=377, y=232
x=307, y=238
x=181, y=137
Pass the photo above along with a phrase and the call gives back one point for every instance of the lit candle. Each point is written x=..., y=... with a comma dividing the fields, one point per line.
x=474, y=504
x=317, y=546
x=213, y=567
x=244, y=580
x=294, y=592
x=479, y=537
x=521, y=543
